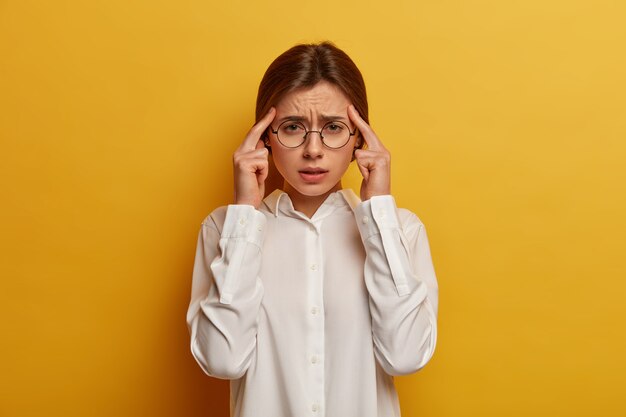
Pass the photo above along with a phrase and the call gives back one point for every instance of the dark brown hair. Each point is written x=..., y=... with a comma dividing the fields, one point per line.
x=305, y=65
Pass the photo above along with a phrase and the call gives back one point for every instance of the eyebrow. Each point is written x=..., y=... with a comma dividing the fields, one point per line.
x=323, y=117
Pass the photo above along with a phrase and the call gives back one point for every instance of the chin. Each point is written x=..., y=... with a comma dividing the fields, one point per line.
x=311, y=189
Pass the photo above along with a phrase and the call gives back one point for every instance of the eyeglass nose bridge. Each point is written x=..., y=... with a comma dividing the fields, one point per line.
x=312, y=131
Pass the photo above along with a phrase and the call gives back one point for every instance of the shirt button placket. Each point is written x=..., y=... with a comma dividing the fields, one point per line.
x=316, y=349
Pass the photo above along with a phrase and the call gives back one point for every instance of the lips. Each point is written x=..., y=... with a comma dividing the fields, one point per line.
x=313, y=171
x=312, y=174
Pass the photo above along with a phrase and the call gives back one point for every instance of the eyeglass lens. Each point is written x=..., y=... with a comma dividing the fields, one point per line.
x=293, y=134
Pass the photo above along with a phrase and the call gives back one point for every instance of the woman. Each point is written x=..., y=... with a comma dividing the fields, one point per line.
x=310, y=300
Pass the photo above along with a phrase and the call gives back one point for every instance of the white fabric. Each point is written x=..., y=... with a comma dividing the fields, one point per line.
x=312, y=317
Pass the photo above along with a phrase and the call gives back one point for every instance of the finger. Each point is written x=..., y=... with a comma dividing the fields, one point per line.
x=363, y=163
x=373, y=158
x=262, y=174
x=251, y=163
x=366, y=131
x=364, y=171
x=250, y=142
x=242, y=156
x=367, y=153
x=256, y=166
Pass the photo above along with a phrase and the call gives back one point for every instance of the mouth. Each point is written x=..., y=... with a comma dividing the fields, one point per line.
x=312, y=174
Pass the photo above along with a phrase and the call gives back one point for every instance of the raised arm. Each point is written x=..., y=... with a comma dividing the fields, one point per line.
x=402, y=285
x=399, y=274
x=226, y=289
x=226, y=292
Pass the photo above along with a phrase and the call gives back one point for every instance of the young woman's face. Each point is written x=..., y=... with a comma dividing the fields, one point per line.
x=312, y=169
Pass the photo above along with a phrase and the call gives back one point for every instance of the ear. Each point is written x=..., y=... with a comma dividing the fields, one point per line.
x=356, y=147
x=359, y=141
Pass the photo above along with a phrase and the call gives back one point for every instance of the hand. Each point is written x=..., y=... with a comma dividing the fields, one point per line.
x=373, y=162
x=250, y=164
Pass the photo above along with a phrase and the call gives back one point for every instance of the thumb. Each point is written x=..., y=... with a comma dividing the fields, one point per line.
x=362, y=164
x=365, y=172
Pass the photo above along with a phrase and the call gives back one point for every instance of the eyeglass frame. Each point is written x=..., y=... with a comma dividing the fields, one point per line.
x=306, y=132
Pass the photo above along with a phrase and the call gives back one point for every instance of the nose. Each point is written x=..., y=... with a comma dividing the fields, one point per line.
x=313, y=146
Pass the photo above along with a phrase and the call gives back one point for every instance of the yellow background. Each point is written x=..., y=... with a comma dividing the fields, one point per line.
x=506, y=121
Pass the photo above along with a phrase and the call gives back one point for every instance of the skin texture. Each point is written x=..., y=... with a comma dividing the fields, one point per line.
x=314, y=105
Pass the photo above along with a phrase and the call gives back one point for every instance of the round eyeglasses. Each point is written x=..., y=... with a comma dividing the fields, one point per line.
x=292, y=134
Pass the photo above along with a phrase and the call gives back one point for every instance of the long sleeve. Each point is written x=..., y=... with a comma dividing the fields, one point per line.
x=401, y=283
x=226, y=291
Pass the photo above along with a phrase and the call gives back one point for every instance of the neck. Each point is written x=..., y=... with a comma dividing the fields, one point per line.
x=308, y=204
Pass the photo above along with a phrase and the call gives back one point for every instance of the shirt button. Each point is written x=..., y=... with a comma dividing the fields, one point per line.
x=260, y=229
x=314, y=359
x=313, y=267
x=365, y=219
x=382, y=213
x=315, y=408
x=242, y=221
x=314, y=310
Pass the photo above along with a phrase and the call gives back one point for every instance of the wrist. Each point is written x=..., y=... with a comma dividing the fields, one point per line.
x=367, y=195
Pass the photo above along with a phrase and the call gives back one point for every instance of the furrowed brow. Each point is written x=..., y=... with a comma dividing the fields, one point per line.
x=292, y=119
x=332, y=117
x=322, y=117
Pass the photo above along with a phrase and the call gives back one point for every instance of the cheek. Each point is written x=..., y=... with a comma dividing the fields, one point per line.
x=277, y=151
x=282, y=159
x=343, y=160
x=345, y=154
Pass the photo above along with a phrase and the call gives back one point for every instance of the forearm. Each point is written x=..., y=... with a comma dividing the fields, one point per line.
x=401, y=285
x=227, y=294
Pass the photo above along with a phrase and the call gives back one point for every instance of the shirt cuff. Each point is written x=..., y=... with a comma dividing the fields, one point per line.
x=245, y=222
x=375, y=214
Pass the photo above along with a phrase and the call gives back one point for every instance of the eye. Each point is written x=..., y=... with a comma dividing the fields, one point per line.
x=333, y=128
x=292, y=128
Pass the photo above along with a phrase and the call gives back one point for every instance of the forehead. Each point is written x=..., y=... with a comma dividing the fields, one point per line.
x=323, y=97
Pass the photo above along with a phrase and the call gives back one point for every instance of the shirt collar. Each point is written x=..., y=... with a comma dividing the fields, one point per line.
x=279, y=200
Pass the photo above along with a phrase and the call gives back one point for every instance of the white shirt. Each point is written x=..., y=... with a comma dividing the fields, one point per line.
x=313, y=317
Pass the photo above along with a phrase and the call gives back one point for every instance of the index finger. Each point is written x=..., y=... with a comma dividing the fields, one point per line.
x=368, y=134
x=253, y=136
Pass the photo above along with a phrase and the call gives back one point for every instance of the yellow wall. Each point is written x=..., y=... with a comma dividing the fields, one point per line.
x=507, y=125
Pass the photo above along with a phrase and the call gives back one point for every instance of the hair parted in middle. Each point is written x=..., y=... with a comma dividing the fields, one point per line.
x=305, y=65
